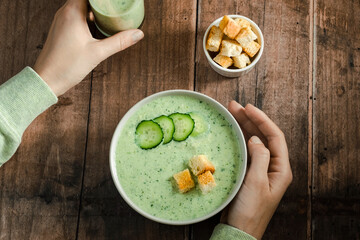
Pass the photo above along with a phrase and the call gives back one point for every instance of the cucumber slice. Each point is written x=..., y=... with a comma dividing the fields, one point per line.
x=167, y=126
x=184, y=125
x=201, y=125
x=148, y=134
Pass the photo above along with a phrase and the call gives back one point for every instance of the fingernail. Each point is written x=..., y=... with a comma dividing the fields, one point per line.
x=255, y=140
x=137, y=36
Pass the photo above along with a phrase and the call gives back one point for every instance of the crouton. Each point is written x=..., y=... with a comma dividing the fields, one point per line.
x=252, y=48
x=245, y=37
x=226, y=38
x=229, y=27
x=223, y=61
x=206, y=182
x=184, y=181
x=241, y=61
x=230, y=48
x=214, y=39
x=200, y=164
x=242, y=23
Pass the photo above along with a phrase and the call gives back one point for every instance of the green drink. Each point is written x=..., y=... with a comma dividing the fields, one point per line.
x=113, y=16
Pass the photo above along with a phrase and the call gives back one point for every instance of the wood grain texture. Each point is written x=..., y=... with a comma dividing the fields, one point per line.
x=40, y=186
x=278, y=85
x=162, y=60
x=43, y=190
x=336, y=187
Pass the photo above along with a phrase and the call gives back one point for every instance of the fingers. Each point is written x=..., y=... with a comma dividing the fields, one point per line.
x=275, y=138
x=260, y=159
x=248, y=127
x=224, y=215
x=256, y=123
x=262, y=121
x=273, y=134
x=118, y=42
x=80, y=5
x=91, y=16
x=238, y=112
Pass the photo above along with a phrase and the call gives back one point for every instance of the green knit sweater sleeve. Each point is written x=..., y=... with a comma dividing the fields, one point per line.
x=223, y=231
x=22, y=99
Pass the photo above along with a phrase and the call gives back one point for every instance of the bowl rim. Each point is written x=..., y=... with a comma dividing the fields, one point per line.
x=253, y=63
x=134, y=109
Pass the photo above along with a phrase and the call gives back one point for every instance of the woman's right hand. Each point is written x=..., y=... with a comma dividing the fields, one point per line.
x=268, y=176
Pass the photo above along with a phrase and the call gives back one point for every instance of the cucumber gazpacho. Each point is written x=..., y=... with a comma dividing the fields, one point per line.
x=147, y=158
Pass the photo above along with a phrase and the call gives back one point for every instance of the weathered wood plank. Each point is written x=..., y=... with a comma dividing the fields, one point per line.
x=278, y=85
x=163, y=60
x=40, y=185
x=336, y=187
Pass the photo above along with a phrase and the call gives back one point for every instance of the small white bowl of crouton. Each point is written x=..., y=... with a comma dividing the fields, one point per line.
x=233, y=44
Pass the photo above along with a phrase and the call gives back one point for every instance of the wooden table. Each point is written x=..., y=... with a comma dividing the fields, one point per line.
x=58, y=185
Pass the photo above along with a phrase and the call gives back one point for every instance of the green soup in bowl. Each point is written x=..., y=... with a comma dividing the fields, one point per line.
x=144, y=177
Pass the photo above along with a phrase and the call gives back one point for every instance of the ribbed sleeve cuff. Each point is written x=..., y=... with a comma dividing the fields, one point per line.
x=223, y=231
x=23, y=98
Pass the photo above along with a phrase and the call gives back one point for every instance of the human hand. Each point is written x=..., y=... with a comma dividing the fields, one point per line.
x=70, y=52
x=268, y=176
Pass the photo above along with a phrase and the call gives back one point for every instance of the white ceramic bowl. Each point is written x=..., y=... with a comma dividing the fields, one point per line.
x=234, y=72
x=221, y=109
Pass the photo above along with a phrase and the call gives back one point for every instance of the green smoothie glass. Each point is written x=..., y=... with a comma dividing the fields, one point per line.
x=113, y=16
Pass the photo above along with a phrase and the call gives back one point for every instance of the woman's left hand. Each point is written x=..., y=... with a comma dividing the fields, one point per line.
x=70, y=52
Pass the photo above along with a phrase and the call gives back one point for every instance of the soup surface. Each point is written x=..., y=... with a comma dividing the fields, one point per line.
x=146, y=175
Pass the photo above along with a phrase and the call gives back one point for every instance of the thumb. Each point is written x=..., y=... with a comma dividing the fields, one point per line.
x=119, y=42
x=260, y=158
